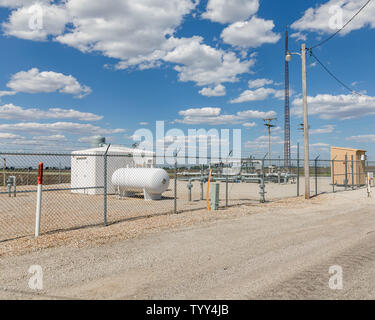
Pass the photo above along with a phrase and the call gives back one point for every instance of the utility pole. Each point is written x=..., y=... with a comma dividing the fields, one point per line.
x=288, y=58
x=269, y=125
x=305, y=123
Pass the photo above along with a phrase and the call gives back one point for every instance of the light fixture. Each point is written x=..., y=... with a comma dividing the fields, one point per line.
x=288, y=57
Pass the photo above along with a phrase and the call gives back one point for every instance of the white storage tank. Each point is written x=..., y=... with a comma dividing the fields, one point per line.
x=152, y=181
x=87, y=167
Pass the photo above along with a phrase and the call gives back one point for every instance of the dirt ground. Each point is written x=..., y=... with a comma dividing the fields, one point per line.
x=281, y=250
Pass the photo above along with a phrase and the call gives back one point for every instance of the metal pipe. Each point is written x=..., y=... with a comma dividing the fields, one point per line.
x=298, y=169
x=4, y=171
x=352, y=160
x=226, y=191
x=316, y=175
x=59, y=172
x=105, y=185
x=346, y=172
x=333, y=174
x=12, y=183
x=175, y=185
x=189, y=186
x=38, y=212
x=202, y=187
x=262, y=185
x=202, y=183
x=359, y=174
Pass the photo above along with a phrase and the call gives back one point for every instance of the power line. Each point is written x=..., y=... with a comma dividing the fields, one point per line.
x=333, y=76
x=338, y=31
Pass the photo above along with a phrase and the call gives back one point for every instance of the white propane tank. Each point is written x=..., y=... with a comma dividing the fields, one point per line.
x=152, y=181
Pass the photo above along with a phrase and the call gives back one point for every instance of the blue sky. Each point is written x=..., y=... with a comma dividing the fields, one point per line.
x=73, y=69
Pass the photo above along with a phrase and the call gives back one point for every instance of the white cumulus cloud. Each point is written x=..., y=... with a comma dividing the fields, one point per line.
x=12, y=112
x=257, y=83
x=57, y=128
x=332, y=15
x=10, y=136
x=205, y=65
x=35, y=81
x=226, y=11
x=250, y=34
x=135, y=32
x=213, y=116
x=362, y=138
x=327, y=106
x=217, y=91
x=35, y=20
x=259, y=94
x=261, y=143
x=249, y=124
x=329, y=128
x=139, y=34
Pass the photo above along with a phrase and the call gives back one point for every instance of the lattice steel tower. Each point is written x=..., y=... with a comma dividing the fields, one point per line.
x=287, y=109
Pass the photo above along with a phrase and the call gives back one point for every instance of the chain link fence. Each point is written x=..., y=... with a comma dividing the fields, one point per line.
x=79, y=190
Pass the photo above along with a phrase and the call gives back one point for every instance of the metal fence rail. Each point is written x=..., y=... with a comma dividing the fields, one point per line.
x=78, y=189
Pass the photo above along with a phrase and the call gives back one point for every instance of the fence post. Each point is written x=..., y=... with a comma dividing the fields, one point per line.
x=316, y=175
x=333, y=175
x=4, y=171
x=298, y=169
x=346, y=172
x=262, y=183
x=359, y=174
x=190, y=186
x=352, y=159
x=226, y=191
x=60, y=173
x=105, y=186
x=202, y=183
x=39, y=200
x=175, y=184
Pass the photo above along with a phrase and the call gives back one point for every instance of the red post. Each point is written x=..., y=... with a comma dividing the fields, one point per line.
x=40, y=173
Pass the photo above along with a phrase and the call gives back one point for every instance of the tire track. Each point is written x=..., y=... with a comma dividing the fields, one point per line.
x=312, y=283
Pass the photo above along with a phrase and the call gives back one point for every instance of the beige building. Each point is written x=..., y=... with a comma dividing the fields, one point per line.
x=338, y=170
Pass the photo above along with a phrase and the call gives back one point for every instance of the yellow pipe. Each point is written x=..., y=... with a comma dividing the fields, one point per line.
x=208, y=191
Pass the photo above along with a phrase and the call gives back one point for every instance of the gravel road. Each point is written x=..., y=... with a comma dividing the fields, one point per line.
x=280, y=252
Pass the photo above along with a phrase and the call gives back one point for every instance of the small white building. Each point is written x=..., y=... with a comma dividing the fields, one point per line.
x=87, y=167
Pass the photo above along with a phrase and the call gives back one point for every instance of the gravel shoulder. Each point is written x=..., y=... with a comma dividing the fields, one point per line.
x=280, y=250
